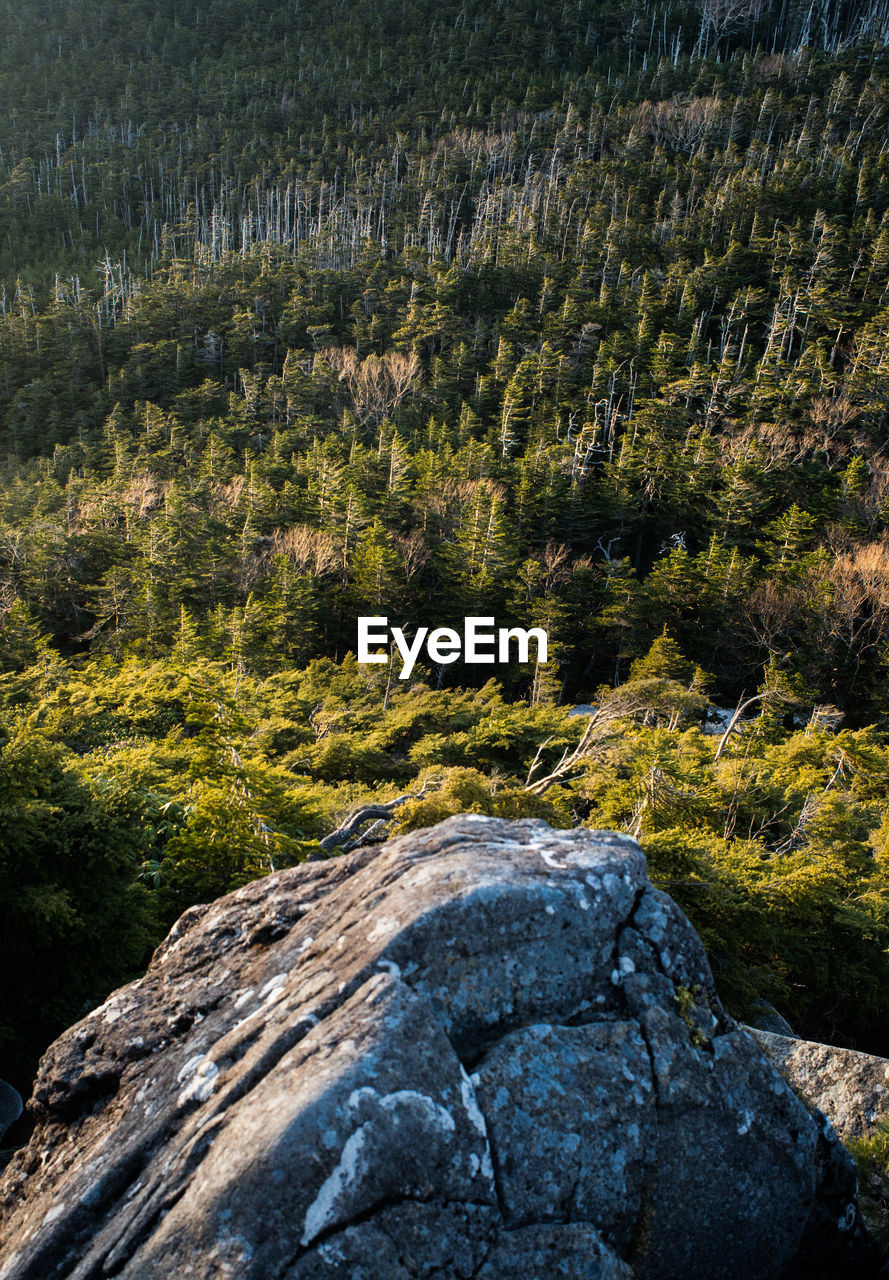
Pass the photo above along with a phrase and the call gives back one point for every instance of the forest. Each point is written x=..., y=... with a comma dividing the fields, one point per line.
x=574, y=314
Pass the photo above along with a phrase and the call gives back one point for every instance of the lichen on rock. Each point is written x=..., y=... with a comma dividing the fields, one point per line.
x=488, y=1049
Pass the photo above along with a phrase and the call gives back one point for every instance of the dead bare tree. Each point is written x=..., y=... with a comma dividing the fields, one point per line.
x=639, y=700
x=855, y=615
x=377, y=384
x=323, y=721
x=831, y=416
x=312, y=551
x=722, y=17
x=414, y=552
x=681, y=124
x=738, y=712
x=599, y=728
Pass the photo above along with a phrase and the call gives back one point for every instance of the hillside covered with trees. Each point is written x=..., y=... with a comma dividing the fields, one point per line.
x=571, y=314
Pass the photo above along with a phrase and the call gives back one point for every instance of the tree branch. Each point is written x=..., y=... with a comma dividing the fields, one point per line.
x=347, y=829
x=739, y=711
x=568, y=762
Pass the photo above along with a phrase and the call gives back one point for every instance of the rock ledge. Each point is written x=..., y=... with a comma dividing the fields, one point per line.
x=851, y=1088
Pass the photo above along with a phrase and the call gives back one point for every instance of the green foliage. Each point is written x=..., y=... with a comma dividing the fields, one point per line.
x=664, y=660
x=777, y=850
x=872, y=1157
x=233, y=812
x=570, y=314
x=401, y=355
x=470, y=791
x=76, y=920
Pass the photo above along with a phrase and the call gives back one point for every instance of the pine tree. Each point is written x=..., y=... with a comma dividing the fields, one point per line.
x=664, y=660
x=377, y=572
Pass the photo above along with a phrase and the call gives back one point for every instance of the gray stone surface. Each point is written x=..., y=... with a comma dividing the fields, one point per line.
x=573, y=1124
x=10, y=1106
x=487, y=1050
x=851, y=1088
x=765, y=1017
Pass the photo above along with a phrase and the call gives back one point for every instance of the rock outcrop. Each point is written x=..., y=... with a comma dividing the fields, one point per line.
x=851, y=1088
x=489, y=1050
x=765, y=1017
x=10, y=1106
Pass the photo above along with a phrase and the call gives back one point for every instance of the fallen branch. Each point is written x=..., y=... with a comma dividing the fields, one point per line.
x=568, y=761
x=347, y=829
x=535, y=763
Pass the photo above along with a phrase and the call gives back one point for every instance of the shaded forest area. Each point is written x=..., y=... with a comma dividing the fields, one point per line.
x=571, y=314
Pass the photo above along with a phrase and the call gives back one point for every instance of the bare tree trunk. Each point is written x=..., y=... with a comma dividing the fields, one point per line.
x=739, y=711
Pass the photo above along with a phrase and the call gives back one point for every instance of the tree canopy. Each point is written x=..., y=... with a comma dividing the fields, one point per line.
x=570, y=314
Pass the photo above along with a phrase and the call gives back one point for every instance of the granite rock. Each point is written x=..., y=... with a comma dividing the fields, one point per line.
x=489, y=1050
x=851, y=1088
